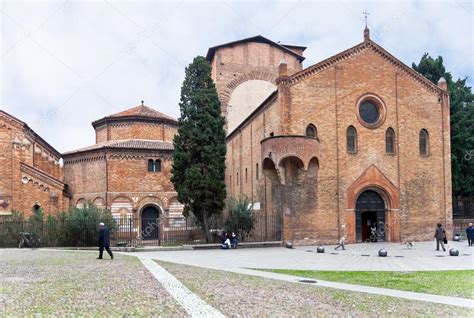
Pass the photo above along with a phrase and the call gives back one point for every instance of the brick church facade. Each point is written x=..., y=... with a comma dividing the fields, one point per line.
x=356, y=141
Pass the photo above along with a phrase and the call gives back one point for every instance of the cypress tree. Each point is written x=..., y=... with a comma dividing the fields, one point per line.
x=199, y=147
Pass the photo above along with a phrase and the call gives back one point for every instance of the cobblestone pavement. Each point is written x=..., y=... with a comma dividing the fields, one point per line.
x=238, y=295
x=72, y=283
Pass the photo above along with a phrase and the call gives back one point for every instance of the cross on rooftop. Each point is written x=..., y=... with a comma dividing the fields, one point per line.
x=366, y=14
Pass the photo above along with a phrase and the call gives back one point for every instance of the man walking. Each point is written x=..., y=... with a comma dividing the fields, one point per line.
x=470, y=234
x=342, y=241
x=440, y=235
x=104, y=241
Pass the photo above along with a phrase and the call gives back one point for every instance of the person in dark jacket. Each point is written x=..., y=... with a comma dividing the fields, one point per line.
x=234, y=240
x=470, y=234
x=104, y=241
x=440, y=235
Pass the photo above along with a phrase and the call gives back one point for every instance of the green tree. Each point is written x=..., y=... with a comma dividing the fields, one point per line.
x=199, y=147
x=241, y=217
x=82, y=225
x=462, y=123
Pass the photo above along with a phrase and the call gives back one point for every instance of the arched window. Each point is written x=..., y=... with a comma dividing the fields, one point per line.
x=158, y=165
x=256, y=171
x=351, y=139
x=36, y=209
x=237, y=179
x=245, y=175
x=424, y=143
x=390, y=141
x=311, y=131
x=151, y=165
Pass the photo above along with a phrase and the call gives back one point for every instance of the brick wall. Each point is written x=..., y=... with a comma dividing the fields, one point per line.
x=30, y=169
x=136, y=130
x=416, y=189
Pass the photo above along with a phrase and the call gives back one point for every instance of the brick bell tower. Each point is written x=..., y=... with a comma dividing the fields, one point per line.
x=245, y=73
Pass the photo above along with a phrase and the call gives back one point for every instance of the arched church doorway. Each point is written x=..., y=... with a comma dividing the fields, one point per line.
x=150, y=223
x=370, y=214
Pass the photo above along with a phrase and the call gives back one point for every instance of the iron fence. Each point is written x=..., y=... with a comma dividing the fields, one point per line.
x=133, y=231
x=463, y=207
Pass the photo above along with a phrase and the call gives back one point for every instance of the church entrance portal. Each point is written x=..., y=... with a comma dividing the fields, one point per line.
x=150, y=223
x=370, y=213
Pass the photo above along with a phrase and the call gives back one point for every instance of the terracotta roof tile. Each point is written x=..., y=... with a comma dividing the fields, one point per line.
x=127, y=144
x=142, y=111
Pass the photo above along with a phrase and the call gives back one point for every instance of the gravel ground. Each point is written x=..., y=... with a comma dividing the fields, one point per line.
x=238, y=295
x=75, y=283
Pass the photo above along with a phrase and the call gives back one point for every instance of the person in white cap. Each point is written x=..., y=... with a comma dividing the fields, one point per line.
x=104, y=241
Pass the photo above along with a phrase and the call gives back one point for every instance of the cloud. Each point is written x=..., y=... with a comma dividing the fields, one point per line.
x=67, y=63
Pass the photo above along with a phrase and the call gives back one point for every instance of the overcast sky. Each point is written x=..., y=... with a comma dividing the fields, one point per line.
x=67, y=63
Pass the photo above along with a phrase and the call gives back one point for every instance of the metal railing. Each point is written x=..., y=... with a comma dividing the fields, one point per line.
x=132, y=231
x=463, y=207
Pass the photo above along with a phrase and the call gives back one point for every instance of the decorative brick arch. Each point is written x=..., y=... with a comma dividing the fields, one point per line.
x=375, y=180
x=252, y=75
x=99, y=202
x=119, y=204
x=146, y=201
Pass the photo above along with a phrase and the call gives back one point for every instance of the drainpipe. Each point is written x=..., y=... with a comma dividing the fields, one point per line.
x=106, y=179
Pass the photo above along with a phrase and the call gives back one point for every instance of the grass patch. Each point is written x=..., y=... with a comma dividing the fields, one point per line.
x=446, y=283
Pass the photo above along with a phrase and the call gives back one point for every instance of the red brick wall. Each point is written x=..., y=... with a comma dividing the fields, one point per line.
x=248, y=61
x=26, y=181
x=85, y=176
x=328, y=100
x=136, y=130
x=128, y=173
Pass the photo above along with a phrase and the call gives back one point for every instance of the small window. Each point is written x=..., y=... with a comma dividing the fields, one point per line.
x=256, y=171
x=311, y=131
x=157, y=165
x=151, y=165
x=272, y=134
x=245, y=175
x=154, y=165
x=390, y=141
x=237, y=179
x=351, y=138
x=424, y=143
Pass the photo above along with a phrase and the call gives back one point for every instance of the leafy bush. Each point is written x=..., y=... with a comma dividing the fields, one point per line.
x=82, y=224
x=241, y=218
x=10, y=228
x=78, y=227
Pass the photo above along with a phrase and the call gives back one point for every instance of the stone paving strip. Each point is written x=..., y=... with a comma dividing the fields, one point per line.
x=445, y=300
x=194, y=305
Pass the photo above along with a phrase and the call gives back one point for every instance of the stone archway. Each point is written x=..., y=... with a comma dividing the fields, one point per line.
x=373, y=179
x=253, y=75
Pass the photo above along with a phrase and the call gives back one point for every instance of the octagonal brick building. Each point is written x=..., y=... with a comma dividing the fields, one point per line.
x=128, y=169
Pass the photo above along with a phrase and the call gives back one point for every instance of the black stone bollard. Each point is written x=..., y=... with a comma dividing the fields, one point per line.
x=453, y=252
x=383, y=252
x=289, y=244
x=320, y=249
